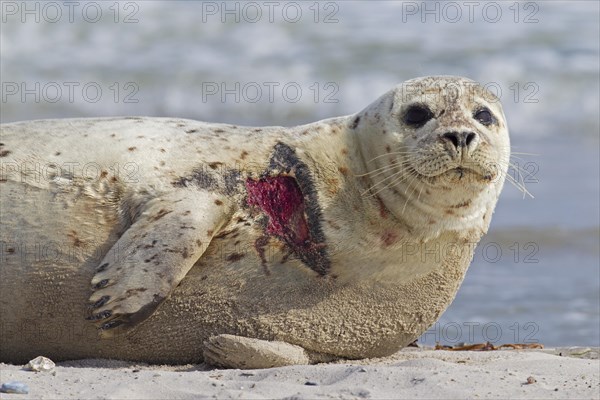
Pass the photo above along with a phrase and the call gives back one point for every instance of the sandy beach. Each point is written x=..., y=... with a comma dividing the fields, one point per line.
x=560, y=373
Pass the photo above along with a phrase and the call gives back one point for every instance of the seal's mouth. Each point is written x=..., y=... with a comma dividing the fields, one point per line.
x=471, y=172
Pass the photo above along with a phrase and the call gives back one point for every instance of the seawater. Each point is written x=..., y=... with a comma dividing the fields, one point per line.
x=535, y=276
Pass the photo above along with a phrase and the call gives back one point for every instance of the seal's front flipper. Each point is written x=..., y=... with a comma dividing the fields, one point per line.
x=231, y=351
x=151, y=257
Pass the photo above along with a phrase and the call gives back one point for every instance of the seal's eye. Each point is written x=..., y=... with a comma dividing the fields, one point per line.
x=484, y=116
x=417, y=115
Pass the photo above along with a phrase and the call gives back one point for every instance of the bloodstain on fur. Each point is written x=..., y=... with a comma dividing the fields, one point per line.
x=383, y=212
x=281, y=199
x=388, y=238
x=286, y=194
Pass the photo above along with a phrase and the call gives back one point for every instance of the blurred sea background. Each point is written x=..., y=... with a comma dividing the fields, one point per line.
x=535, y=276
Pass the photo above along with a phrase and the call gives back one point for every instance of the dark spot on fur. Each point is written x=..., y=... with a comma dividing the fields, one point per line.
x=133, y=148
x=243, y=154
x=463, y=204
x=200, y=178
x=161, y=213
x=215, y=165
x=388, y=148
x=198, y=243
x=103, y=174
x=185, y=253
x=218, y=202
x=304, y=133
x=333, y=225
x=233, y=257
x=163, y=150
x=114, y=179
x=259, y=245
x=343, y=170
x=151, y=258
x=355, y=123
x=191, y=131
x=209, y=232
x=218, y=130
x=449, y=212
x=383, y=131
x=4, y=153
x=150, y=246
x=57, y=153
x=75, y=239
x=112, y=135
x=392, y=104
x=130, y=292
x=102, y=267
x=258, y=130
x=226, y=234
x=233, y=181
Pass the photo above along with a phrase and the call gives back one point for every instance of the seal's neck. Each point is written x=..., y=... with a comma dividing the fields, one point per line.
x=431, y=211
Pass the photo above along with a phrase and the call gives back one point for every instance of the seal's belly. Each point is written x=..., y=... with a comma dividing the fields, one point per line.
x=50, y=245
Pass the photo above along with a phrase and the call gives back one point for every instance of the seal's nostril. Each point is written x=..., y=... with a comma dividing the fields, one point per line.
x=470, y=136
x=453, y=138
x=459, y=139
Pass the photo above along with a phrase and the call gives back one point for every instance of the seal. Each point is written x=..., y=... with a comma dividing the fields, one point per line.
x=175, y=241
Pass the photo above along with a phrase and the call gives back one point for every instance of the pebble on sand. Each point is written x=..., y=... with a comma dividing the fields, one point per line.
x=40, y=364
x=14, y=387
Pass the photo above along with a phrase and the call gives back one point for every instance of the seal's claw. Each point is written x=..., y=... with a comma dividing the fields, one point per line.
x=126, y=291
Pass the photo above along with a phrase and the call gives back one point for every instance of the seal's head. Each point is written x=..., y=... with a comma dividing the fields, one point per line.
x=436, y=150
